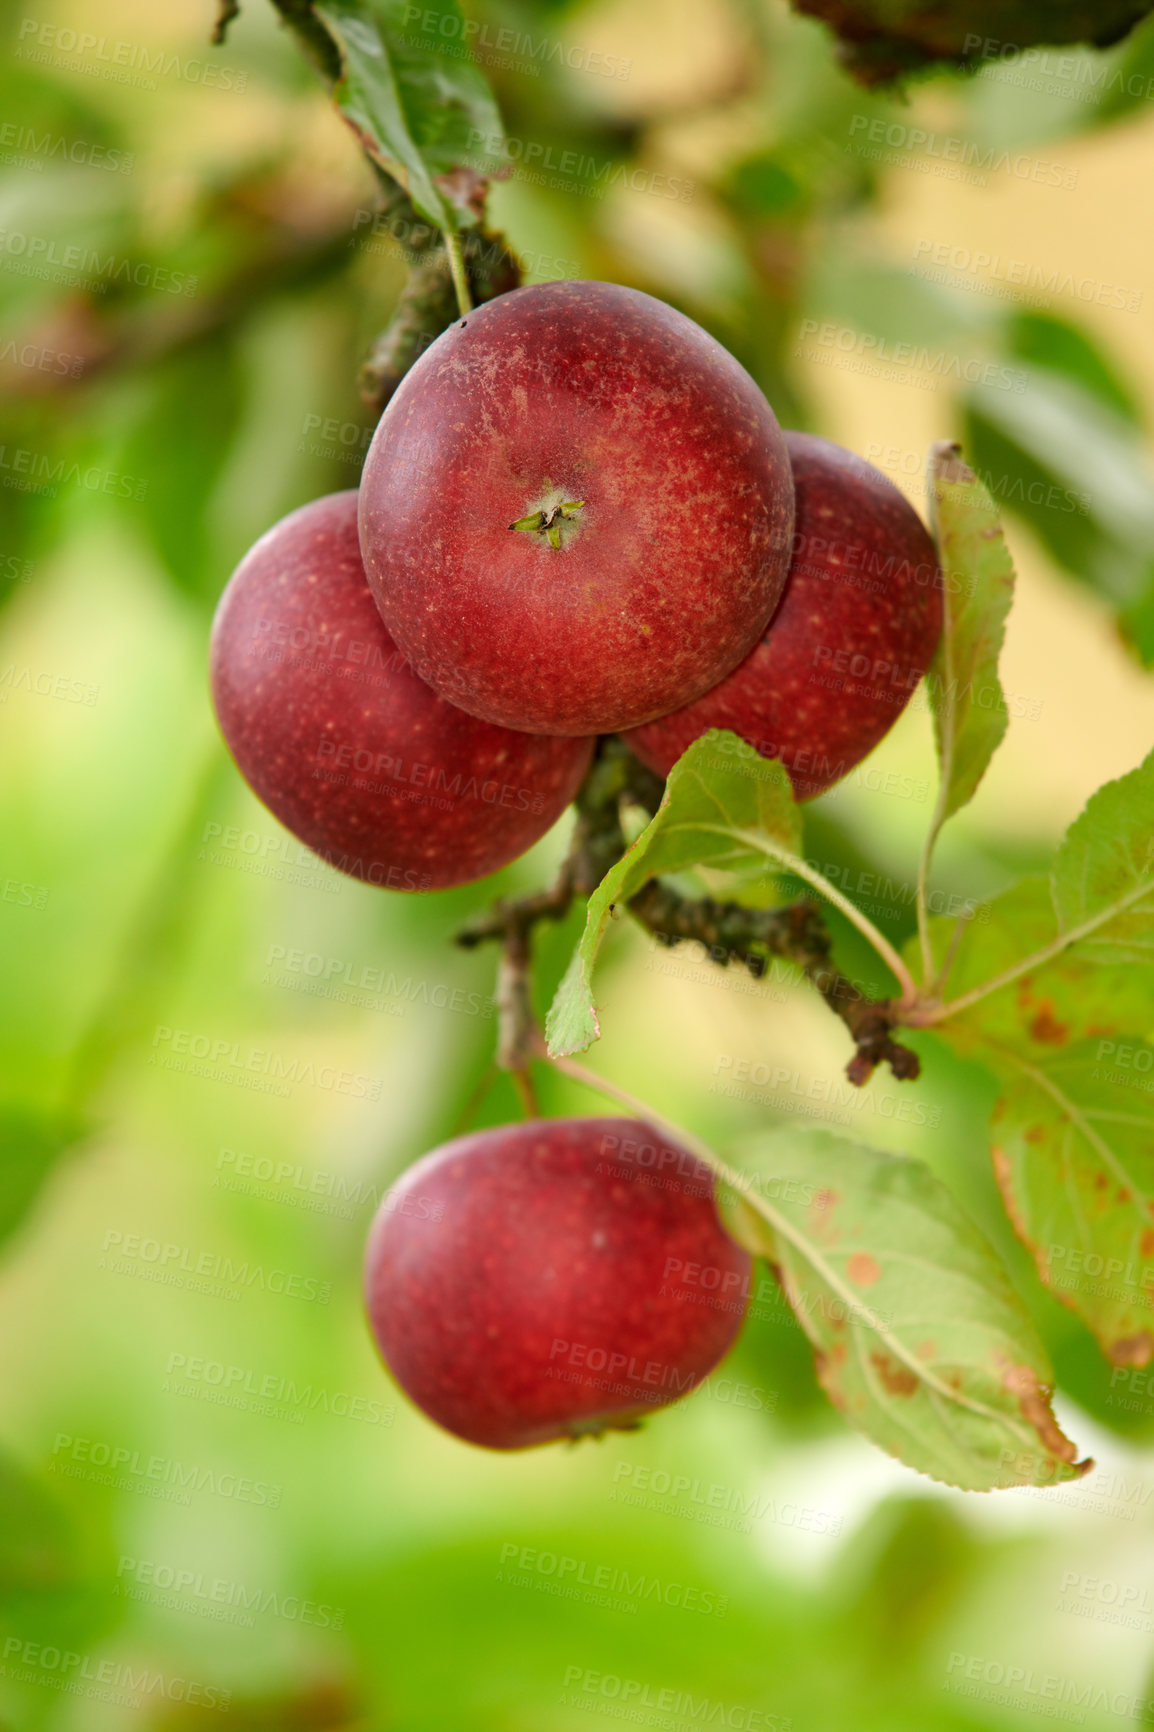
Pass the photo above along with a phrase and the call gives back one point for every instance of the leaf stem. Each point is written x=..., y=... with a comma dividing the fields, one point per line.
x=802, y=869
x=745, y=1185
x=940, y=1012
x=956, y=936
x=929, y=965
x=460, y=275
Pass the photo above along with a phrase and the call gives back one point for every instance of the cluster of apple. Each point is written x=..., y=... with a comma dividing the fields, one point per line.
x=578, y=516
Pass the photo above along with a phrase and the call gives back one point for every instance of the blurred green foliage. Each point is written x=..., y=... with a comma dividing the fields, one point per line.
x=179, y=339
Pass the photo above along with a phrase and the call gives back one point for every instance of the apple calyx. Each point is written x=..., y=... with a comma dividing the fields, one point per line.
x=547, y=520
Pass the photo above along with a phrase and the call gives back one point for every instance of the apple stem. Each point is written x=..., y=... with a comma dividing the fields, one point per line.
x=523, y=1083
x=460, y=276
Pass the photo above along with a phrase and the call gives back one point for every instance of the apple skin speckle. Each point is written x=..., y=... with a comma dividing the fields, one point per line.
x=520, y=1291
x=334, y=731
x=665, y=576
x=856, y=630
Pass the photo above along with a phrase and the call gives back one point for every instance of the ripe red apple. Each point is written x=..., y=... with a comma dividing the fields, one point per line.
x=855, y=632
x=552, y=1278
x=333, y=730
x=576, y=510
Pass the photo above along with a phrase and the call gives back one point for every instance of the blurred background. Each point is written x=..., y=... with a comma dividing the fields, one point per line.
x=212, y=1500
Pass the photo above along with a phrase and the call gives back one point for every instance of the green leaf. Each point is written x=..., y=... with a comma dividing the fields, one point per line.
x=724, y=806
x=1059, y=1001
x=32, y=1144
x=1074, y=1156
x=180, y=444
x=1047, y=342
x=412, y=104
x=36, y=1546
x=1103, y=874
x=969, y=709
x=1098, y=514
x=921, y=1340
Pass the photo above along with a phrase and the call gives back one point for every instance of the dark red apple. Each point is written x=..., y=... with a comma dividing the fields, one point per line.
x=552, y=1278
x=855, y=632
x=333, y=730
x=576, y=510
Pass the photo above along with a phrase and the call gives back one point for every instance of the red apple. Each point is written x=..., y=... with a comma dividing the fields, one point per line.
x=333, y=730
x=576, y=510
x=552, y=1278
x=855, y=632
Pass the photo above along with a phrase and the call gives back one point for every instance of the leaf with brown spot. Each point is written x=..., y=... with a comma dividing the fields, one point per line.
x=1075, y=1164
x=1046, y=1028
x=898, y=1379
x=919, y=1358
x=1137, y=1350
x=1069, y=998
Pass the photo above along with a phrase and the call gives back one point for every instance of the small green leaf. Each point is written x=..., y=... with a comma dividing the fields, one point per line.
x=553, y=535
x=724, y=806
x=966, y=698
x=1074, y=1156
x=412, y=105
x=921, y=1340
x=1051, y=1005
x=1103, y=874
x=535, y=520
